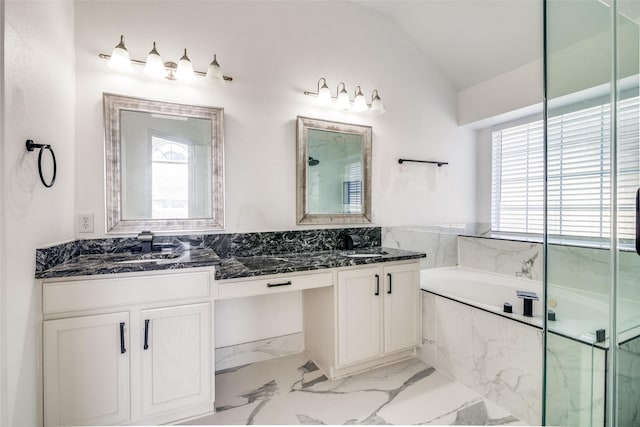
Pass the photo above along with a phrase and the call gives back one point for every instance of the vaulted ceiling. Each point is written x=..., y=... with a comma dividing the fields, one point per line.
x=470, y=40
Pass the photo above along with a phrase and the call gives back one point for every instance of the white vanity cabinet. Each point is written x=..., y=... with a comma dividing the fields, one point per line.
x=175, y=357
x=371, y=317
x=127, y=349
x=86, y=368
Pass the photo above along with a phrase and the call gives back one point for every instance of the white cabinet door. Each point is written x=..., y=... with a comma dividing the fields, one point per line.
x=359, y=298
x=176, y=348
x=86, y=370
x=401, y=307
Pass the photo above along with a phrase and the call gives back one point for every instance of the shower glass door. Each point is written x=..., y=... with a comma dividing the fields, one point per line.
x=592, y=274
x=625, y=399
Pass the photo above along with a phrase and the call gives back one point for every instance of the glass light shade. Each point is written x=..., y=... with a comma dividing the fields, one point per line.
x=376, y=104
x=155, y=64
x=120, y=59
x=214, y=71
x=185, y=69
x=359, y=103
x=343, y=102
x=324, y=95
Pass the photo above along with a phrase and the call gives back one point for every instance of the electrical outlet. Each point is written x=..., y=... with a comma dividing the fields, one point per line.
x=85, y=223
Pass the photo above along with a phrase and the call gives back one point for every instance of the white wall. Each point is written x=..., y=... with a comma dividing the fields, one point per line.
x=39, y=105
x=504, y=97
x=275, y=51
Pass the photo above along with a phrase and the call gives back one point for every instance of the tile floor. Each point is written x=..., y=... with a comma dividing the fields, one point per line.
x=291, y=390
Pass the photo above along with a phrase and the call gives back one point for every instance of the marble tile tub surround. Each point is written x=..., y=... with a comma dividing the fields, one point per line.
x=496, y=357
x=292, y=391
x=513, y=258
x=224, y=244
x=439, y=243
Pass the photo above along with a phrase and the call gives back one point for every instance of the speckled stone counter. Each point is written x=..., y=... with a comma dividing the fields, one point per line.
x=234, y=255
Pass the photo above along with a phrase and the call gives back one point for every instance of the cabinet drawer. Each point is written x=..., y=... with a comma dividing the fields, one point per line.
x=273, y=285
x=91, y=294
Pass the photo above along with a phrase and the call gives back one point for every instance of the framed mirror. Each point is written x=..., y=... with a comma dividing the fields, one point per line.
x=333, y=172
x=164, y=166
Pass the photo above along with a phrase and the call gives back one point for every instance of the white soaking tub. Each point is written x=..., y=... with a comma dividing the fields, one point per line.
x=484, y=290
x=467, y=336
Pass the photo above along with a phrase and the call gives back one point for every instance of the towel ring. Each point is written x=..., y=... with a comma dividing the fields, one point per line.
x=32, y=146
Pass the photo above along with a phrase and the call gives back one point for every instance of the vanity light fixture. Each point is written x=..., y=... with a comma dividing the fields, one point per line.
x=214, y=72
x=155, y=66
x=324, y=94
x=185, y=69
x=359, y=103
x=342, y=101
x=376, y=103
x=119, y=59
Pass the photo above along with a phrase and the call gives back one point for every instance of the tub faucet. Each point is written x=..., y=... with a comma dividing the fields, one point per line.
x=528, y=298
x=146, y=240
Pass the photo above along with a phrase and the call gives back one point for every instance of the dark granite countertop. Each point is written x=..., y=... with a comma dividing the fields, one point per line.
x=226, y=268
x=238, y=267
x=127, y=262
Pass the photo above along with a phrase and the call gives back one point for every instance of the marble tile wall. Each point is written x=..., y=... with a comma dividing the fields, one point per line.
x=575, y=383
x=588, y=269
x=498, y=358
x=256, y=351
x=513, y=258
x=629, y=383
x=439, y=243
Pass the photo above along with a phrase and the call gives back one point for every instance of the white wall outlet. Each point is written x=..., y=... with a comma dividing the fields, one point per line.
x=85, y=223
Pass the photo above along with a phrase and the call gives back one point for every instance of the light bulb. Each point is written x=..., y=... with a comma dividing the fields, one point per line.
x=343, y=102
x=324, y=94
x=155, y=65
x=376, y=103
x=359, y=103
x=185, y=69
x=120, y=59
x=214, y=72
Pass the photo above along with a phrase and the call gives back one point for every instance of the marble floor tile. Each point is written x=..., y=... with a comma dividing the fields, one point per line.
x=292, y=390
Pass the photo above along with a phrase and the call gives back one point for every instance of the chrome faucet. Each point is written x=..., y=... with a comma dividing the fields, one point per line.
x=146, y=240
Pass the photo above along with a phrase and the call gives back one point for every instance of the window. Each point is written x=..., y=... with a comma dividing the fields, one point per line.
x=579, y=174
x=170, y=179
x=352, y=189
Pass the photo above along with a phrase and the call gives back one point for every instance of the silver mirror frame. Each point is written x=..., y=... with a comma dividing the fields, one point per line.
x=304, y=217
x=112, y=105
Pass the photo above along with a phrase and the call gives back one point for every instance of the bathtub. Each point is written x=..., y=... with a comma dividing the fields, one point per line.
x=484, y=290
x=467, y=336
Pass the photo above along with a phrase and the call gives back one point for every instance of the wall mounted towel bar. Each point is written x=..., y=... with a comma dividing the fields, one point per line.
x=401, y=161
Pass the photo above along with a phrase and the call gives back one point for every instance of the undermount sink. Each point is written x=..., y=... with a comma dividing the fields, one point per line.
x=364, y=254
x=151, y=257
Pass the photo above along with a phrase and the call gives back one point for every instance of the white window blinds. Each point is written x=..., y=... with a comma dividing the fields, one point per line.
x=579, y=174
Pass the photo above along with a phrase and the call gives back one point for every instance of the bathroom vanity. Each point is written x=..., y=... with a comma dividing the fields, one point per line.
x=133, y=342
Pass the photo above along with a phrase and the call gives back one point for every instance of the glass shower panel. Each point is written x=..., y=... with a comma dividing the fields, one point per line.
x=578, y=210
x=627, y=394
x=592, y=283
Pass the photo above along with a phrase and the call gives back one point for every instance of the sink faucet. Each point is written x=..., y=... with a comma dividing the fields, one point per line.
x=146, y=239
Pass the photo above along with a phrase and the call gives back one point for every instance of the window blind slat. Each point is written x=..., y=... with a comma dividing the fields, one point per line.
x=578, y=169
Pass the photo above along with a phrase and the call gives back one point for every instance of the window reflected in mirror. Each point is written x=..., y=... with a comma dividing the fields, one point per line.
x=164, y=165
x=334, y=163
